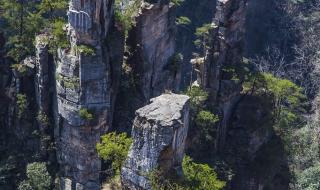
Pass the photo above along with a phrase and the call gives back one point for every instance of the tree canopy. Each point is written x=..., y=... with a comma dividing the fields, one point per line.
x=22, y=20
x=114, y=148
x=38, y=177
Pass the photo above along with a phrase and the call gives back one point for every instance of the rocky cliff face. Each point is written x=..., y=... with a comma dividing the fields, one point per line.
x=153, y=44
x=24, y=139
x=159, y=133
x=82, y=81
x=245, y=136
x=44, y=85
x=86, y=83
x=151, y=66
x=219, y=73
x=252, y=148
x=89, y=21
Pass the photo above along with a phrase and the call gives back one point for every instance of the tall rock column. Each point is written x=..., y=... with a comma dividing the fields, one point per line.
x=153, y=43
x=85, y=92
x=44, y=67
x=220, y=73
x=159, y=134
x=151, y=63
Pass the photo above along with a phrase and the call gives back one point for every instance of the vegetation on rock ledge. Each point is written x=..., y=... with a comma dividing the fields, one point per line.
x=114, y=148
x=38, y=177
x=195, y=177
x=85, y=114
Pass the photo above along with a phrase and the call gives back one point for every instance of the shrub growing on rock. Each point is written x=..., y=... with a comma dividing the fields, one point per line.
x=38, y=177
x=43, y=118
x=200, y=176
x=205, y=121
x=85, y=114
x=196, y=177
x=197, y=98
x=25, y=185
x=125, y=14
x=86, y=50
x=22, y=104
x=114, y=148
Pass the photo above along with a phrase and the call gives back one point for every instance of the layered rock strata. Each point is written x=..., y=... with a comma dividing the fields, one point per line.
x=159, y=133
x=86, y=76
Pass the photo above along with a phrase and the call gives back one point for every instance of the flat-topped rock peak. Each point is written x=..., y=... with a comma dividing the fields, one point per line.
x=165, y=109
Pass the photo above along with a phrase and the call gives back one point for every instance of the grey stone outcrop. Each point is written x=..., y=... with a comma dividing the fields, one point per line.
x=42, y=79
x=159, y=134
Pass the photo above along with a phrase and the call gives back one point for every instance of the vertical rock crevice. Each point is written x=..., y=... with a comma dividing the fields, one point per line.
x=219, y=73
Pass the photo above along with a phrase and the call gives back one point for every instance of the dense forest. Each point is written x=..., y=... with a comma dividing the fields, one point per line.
x=160, y=94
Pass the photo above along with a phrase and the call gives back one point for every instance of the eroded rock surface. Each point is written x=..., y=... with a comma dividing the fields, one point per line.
x=152, y=65
x=86, y=81
x=159, y=133
x=219, y=74
x=21, y=141
x=153, y=42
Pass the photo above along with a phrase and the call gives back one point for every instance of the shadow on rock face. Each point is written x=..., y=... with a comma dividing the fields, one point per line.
x=253, y=149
